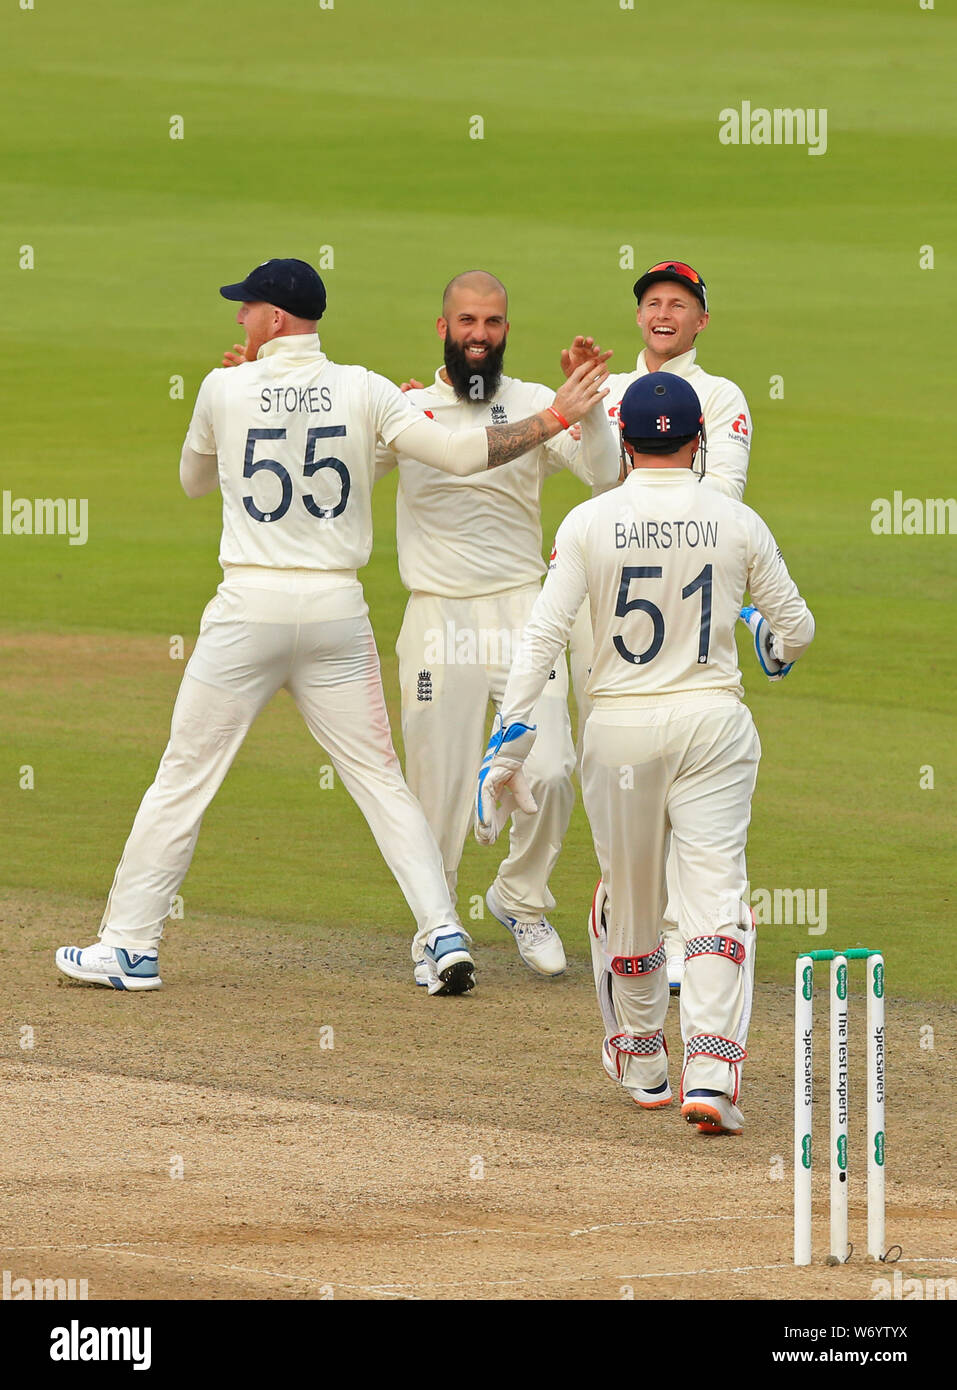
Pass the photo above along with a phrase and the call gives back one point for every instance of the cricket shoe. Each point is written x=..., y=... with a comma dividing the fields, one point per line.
x=113, y=966
x=648, y=1100
x=447, y=968
x=675, y=966
x=539, y=944
x=712, y=1112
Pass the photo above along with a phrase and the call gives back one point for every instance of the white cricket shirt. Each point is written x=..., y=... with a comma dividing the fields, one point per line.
x=295, y=437
x=665, y=563
x=465, y=537
x=727, y=420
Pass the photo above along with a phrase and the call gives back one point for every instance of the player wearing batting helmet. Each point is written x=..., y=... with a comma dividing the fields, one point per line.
x=663, y=564
x=672, y=309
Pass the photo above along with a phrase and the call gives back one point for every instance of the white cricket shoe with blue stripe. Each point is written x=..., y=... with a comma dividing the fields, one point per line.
x=539, y=944
x=448, y=967
x=112, y=966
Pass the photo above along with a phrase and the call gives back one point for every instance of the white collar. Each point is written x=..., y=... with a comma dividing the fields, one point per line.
x=443, y=387
x=662, y=475
x=293, y=344
x=679, y=365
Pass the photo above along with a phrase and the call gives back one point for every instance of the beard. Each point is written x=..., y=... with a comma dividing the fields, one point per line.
x=473, y=381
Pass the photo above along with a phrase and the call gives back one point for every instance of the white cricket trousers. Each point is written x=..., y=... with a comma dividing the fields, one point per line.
x=311, y=634
x=454, y=657
x=687, y=767
x=580, y=648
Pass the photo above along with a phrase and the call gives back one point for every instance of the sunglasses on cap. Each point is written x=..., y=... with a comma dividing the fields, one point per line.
x=679, y=267
x=674, y=270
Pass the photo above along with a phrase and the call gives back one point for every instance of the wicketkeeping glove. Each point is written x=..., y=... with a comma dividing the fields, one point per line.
x=774, y=669
x=502, y=785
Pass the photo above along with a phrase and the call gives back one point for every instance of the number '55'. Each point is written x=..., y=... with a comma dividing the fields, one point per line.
x=310, y=466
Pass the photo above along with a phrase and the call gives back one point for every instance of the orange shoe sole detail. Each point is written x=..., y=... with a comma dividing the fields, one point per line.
x=706, y=1117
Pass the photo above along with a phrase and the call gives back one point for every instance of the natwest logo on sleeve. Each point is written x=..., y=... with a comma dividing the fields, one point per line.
x=553, y=558
x=739, y=426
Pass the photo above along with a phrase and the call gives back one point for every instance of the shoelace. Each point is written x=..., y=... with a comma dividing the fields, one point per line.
x=533, y=933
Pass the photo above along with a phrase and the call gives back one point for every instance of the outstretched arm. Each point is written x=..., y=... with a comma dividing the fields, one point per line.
x=573, y=401
x=472, y=451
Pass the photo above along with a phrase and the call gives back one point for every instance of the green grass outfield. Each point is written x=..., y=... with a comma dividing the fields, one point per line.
x=348, y=127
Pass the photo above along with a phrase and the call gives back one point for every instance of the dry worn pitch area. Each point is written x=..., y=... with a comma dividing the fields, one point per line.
x=351, y=1171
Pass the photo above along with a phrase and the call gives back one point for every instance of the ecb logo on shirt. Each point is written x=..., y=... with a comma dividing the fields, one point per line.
x=499, y=416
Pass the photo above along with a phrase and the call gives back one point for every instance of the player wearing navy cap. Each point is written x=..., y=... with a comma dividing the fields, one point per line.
x=668, y=745
x=290, y=439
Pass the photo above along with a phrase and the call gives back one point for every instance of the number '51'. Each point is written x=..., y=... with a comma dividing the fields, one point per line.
x=643, y=605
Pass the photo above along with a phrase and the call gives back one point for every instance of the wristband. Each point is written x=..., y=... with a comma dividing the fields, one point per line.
x=560, y=418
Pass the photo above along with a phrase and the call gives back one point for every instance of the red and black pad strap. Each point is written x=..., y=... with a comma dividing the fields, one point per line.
x=630, y=966
x=648, y=1046
x=724, y=946
x=713, y=1045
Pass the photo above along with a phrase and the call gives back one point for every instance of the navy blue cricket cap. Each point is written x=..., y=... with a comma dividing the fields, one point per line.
x=680, y=274
x=659, y=413
x=290, y=285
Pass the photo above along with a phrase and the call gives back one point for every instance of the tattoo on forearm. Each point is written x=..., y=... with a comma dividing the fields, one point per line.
x=506, y=442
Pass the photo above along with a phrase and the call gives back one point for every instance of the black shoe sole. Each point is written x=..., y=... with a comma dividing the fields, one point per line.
x=458, y=978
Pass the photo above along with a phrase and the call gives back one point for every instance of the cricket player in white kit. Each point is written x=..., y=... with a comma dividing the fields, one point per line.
x=664, y=563
x=672, y=309
x=290, y=438
x=470, y=552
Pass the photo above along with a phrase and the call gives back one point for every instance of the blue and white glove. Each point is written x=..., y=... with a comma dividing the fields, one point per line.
x=502, y=785
x=774, y=669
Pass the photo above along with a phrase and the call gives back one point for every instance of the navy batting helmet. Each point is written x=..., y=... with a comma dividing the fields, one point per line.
x=660, y=413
